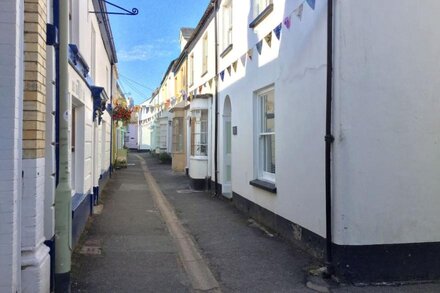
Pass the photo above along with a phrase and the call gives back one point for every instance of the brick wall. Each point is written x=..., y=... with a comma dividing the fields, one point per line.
x=34, y=104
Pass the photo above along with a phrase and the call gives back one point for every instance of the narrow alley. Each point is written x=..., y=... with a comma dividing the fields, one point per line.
x=128, y=248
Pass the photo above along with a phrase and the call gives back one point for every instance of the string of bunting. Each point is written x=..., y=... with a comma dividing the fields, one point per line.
x=248, y=55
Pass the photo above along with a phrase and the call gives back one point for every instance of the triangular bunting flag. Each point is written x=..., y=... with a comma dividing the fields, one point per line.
x=222, y=75
x=195, y=92
x=277, y=30
x=210, y=82
x=204, y=85
x=259, y=47
x=299, y=11
x=287, y=21
x=229, y=69
x=243, y=59
x=268, y=39
x=250, y=52
x=234, y=65
x=311, y=3
x=200, y=89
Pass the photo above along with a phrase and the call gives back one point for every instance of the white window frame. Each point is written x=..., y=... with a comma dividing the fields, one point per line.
x=260, y=5
x=259, y=155
x=205, y=54
x=227, y=24
x=198, y=147
x=93, y=54
x=191, y=69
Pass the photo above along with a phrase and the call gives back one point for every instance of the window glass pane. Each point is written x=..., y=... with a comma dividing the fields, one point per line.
x=228, y=137
x=268, y=112
x=268, y=152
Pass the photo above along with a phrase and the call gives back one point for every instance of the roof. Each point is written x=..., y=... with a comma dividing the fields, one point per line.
x=168, y=71
x=202, y=22
x=186, y=32
x=194, y=33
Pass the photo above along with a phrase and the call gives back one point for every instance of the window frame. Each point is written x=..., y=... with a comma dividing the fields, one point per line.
x=260, y=155
x=205, y=54
x=196, y=127
x=191, y=69
x=257, y=9
x=178, y=142
x=227, y=21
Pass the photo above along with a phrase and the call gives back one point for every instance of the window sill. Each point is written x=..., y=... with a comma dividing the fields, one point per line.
x=199, y=158
x=268, y=186
x=226, y=51
x=261, y=16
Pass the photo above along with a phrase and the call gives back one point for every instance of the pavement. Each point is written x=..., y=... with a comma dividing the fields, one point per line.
x=131, y=247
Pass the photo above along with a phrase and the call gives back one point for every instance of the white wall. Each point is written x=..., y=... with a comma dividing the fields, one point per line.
x=132, y=136
x=96, y=148
x=387, y=122
x=11, y=83
x=296, y=66
x=202, y=167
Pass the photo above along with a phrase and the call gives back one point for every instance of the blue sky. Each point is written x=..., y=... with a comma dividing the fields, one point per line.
x=147, y=43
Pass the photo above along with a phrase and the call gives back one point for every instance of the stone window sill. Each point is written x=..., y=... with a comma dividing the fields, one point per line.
x=268, y=10
x=226, y=51
x=268, y=186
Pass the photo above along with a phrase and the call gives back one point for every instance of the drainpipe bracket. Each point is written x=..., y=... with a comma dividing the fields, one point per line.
x=329, y=138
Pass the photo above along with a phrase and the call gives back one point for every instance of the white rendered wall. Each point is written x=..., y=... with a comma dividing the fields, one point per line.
x=387, y=122
x=204, y=166
x=11, y=95
x=83, y=101
x=296, y=66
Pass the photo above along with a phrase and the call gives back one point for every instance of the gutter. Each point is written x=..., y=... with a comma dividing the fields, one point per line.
x=329, y=140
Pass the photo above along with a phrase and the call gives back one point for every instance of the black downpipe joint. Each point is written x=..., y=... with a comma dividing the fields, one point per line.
x=329, y=140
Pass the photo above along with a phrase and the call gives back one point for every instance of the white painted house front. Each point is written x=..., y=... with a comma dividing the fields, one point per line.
x=386, y=128
x=30, y=140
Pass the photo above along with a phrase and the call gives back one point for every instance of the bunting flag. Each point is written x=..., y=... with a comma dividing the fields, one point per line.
x=268, y=39
x=195, y=92
x=222, y=75
x=210, y=82
x=311, y=3
x=287, y=21
x=259, y=46
x=243, y=59
x=234, y=65
x=277, y=30
x=299, y=11
x=200, y=89
x=229, y=69
x=250, y=52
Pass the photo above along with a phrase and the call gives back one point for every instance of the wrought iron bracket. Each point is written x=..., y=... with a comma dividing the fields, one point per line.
x=134, y=11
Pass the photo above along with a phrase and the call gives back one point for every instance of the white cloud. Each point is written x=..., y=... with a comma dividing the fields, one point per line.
x=145, y=52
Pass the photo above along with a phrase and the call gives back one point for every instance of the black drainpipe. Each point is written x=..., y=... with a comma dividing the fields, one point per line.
x=216, y=193
x=329, y=140
x=56, y=21
x=111, y=120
